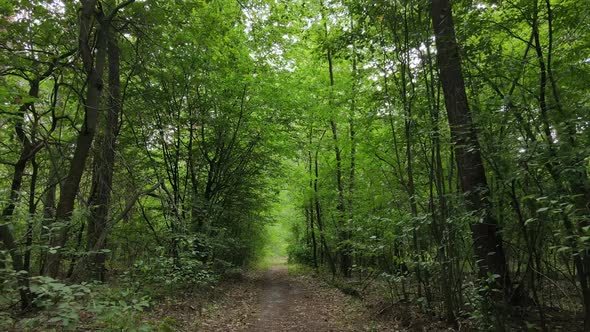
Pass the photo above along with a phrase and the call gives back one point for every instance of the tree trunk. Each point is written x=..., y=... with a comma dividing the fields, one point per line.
x=30, y=221
x=485, y=233
x=104, y=162
x=94, y=68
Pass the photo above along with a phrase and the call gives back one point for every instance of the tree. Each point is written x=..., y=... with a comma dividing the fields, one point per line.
x=94, y=63
x=160, y=138
x=487, y=241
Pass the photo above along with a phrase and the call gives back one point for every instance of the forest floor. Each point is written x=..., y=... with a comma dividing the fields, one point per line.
x=280, y=299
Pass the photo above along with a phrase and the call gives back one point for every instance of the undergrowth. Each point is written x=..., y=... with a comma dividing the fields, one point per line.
x=119, y=305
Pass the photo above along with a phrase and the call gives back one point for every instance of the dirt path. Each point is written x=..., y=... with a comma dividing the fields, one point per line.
x=277, y=301
x=283, y=300
x=287, y=305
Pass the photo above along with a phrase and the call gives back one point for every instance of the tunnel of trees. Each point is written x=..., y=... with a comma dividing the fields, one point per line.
x=440, y=147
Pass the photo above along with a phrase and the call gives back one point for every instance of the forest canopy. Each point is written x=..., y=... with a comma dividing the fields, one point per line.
x=440, y=148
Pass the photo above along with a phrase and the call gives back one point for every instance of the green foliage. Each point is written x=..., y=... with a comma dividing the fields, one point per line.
x=300, y=253
x=117, y=310
x=167, y=325
x=66, y=307
x=165, y=275
x=231, y=107
x=61, y=302
x=482, y=312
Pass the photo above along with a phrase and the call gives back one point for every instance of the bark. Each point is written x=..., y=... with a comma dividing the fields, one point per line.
x=104, y=163
x=487, y=242
x=94, y=67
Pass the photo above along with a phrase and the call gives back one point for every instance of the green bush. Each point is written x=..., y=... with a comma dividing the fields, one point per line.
x=165, y=273
x=67, y=307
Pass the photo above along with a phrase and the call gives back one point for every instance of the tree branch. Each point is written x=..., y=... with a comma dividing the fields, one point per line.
x=119, y=7
x=132, y=202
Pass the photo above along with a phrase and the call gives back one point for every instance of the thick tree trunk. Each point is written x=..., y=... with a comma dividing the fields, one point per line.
x=94, y=67
x=486, y=238
x=104, y=162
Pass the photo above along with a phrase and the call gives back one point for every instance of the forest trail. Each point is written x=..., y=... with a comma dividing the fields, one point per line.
x=287, y=305
x=276, y=300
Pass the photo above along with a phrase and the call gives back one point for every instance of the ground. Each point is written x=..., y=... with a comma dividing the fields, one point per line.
x=276, y=299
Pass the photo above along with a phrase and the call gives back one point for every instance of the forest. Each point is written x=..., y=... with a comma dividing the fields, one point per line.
x=425, y=161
